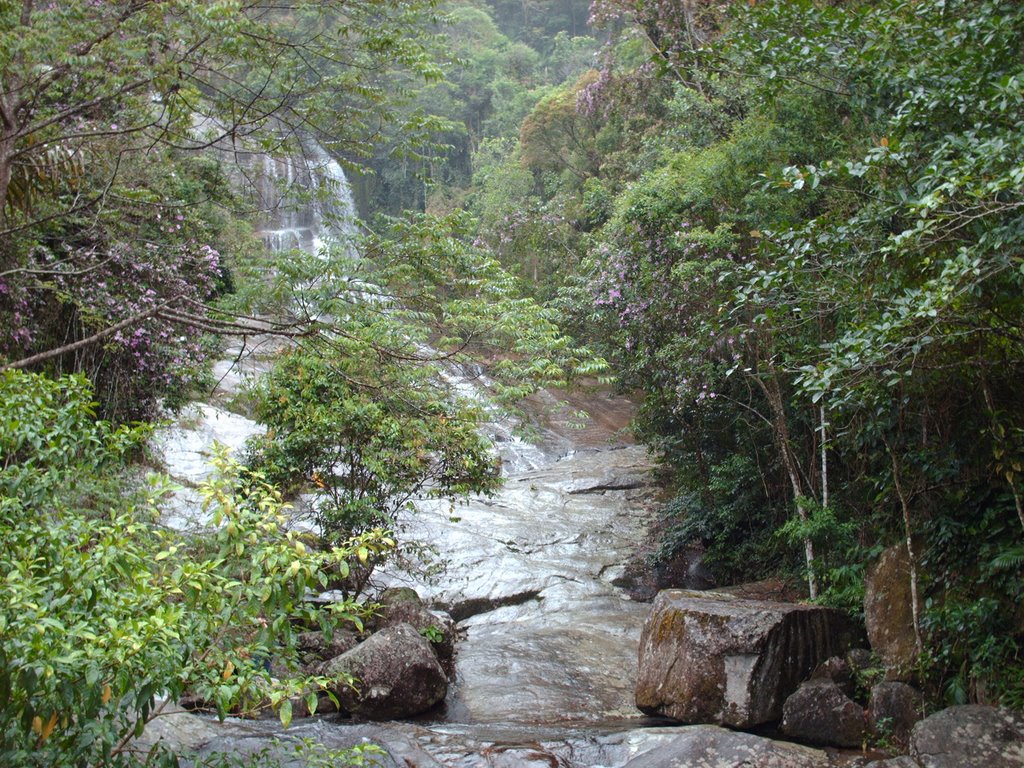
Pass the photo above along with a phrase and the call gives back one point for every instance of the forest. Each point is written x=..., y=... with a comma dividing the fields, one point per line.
x=791, y=232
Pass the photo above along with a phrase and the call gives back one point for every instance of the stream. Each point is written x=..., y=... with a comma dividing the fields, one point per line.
x=546, y=661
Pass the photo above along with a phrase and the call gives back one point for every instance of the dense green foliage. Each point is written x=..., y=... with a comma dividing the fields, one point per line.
x=126, y=247
x=496, y=71
x=367, y=445
x=794, y=228
x=104, y=615
x=803, y=235
x=367, y=439
x=108, y=211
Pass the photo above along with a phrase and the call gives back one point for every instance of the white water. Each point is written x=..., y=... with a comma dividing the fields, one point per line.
x=306, y=204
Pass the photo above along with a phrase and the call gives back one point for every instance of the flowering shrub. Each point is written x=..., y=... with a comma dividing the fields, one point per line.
x=158, y=265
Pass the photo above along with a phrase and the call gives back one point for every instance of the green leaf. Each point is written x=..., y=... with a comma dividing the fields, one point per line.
x=285, y=713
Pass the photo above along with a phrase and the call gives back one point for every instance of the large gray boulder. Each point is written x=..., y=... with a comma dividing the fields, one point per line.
x=712, y=747
x=889, y=614
x=969, y=736
x=820, y=713
x=397, y=675
x=709, y=657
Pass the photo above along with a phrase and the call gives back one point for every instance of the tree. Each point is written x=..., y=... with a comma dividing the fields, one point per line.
x=368, y=444
x=365, y=413
x=867, y=326
x=77, y=73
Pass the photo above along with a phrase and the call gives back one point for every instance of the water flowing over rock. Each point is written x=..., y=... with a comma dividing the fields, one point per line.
x=186, y=451
x=470, y=746
x=711, y=747
x=529, y=573
x=709, y=657
x=546, y=664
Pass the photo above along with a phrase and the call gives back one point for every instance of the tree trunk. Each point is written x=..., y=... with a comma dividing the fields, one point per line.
x=6, y=152
x=824, y=459
x=915, y=601
x=780, y=431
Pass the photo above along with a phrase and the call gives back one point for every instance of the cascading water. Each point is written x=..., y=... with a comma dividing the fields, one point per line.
x=545, y=667
x=329, y=210
x=305, y=202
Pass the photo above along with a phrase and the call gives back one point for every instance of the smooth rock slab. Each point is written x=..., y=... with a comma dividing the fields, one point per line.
x=967, y=736
x=711, y=747
x=709, y=657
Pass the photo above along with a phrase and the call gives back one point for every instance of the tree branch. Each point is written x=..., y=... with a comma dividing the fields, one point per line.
x=96, y=337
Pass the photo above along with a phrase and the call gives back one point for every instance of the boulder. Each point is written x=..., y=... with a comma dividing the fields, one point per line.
x=710, y=657
x=894, y=709
x=712, y=747
x=820, y=713
x=970, y=735
x=838, y=671
x=684, y=569
x=315, y=647
x=888, y=613
x=436, y=626
x=396, y=672
x=398, y=595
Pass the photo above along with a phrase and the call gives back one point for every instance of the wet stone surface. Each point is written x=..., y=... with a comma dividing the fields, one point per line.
x=546, y=637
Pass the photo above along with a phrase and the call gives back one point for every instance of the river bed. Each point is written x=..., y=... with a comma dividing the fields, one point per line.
x=548, y=642
x=546, y=662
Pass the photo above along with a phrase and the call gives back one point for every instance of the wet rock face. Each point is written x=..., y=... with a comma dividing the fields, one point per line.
x=397, y=675
x=820, y=713
x=710, y=747
x=709, y=657
x=544, y=634
x=888, y=613
x=969, y=736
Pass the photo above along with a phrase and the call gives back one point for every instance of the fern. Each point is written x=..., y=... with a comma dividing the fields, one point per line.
x=1009, y=559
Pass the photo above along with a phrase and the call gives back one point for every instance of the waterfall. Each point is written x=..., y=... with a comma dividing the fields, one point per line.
x=305, y=203
x=549, y=646
x=305, y=199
